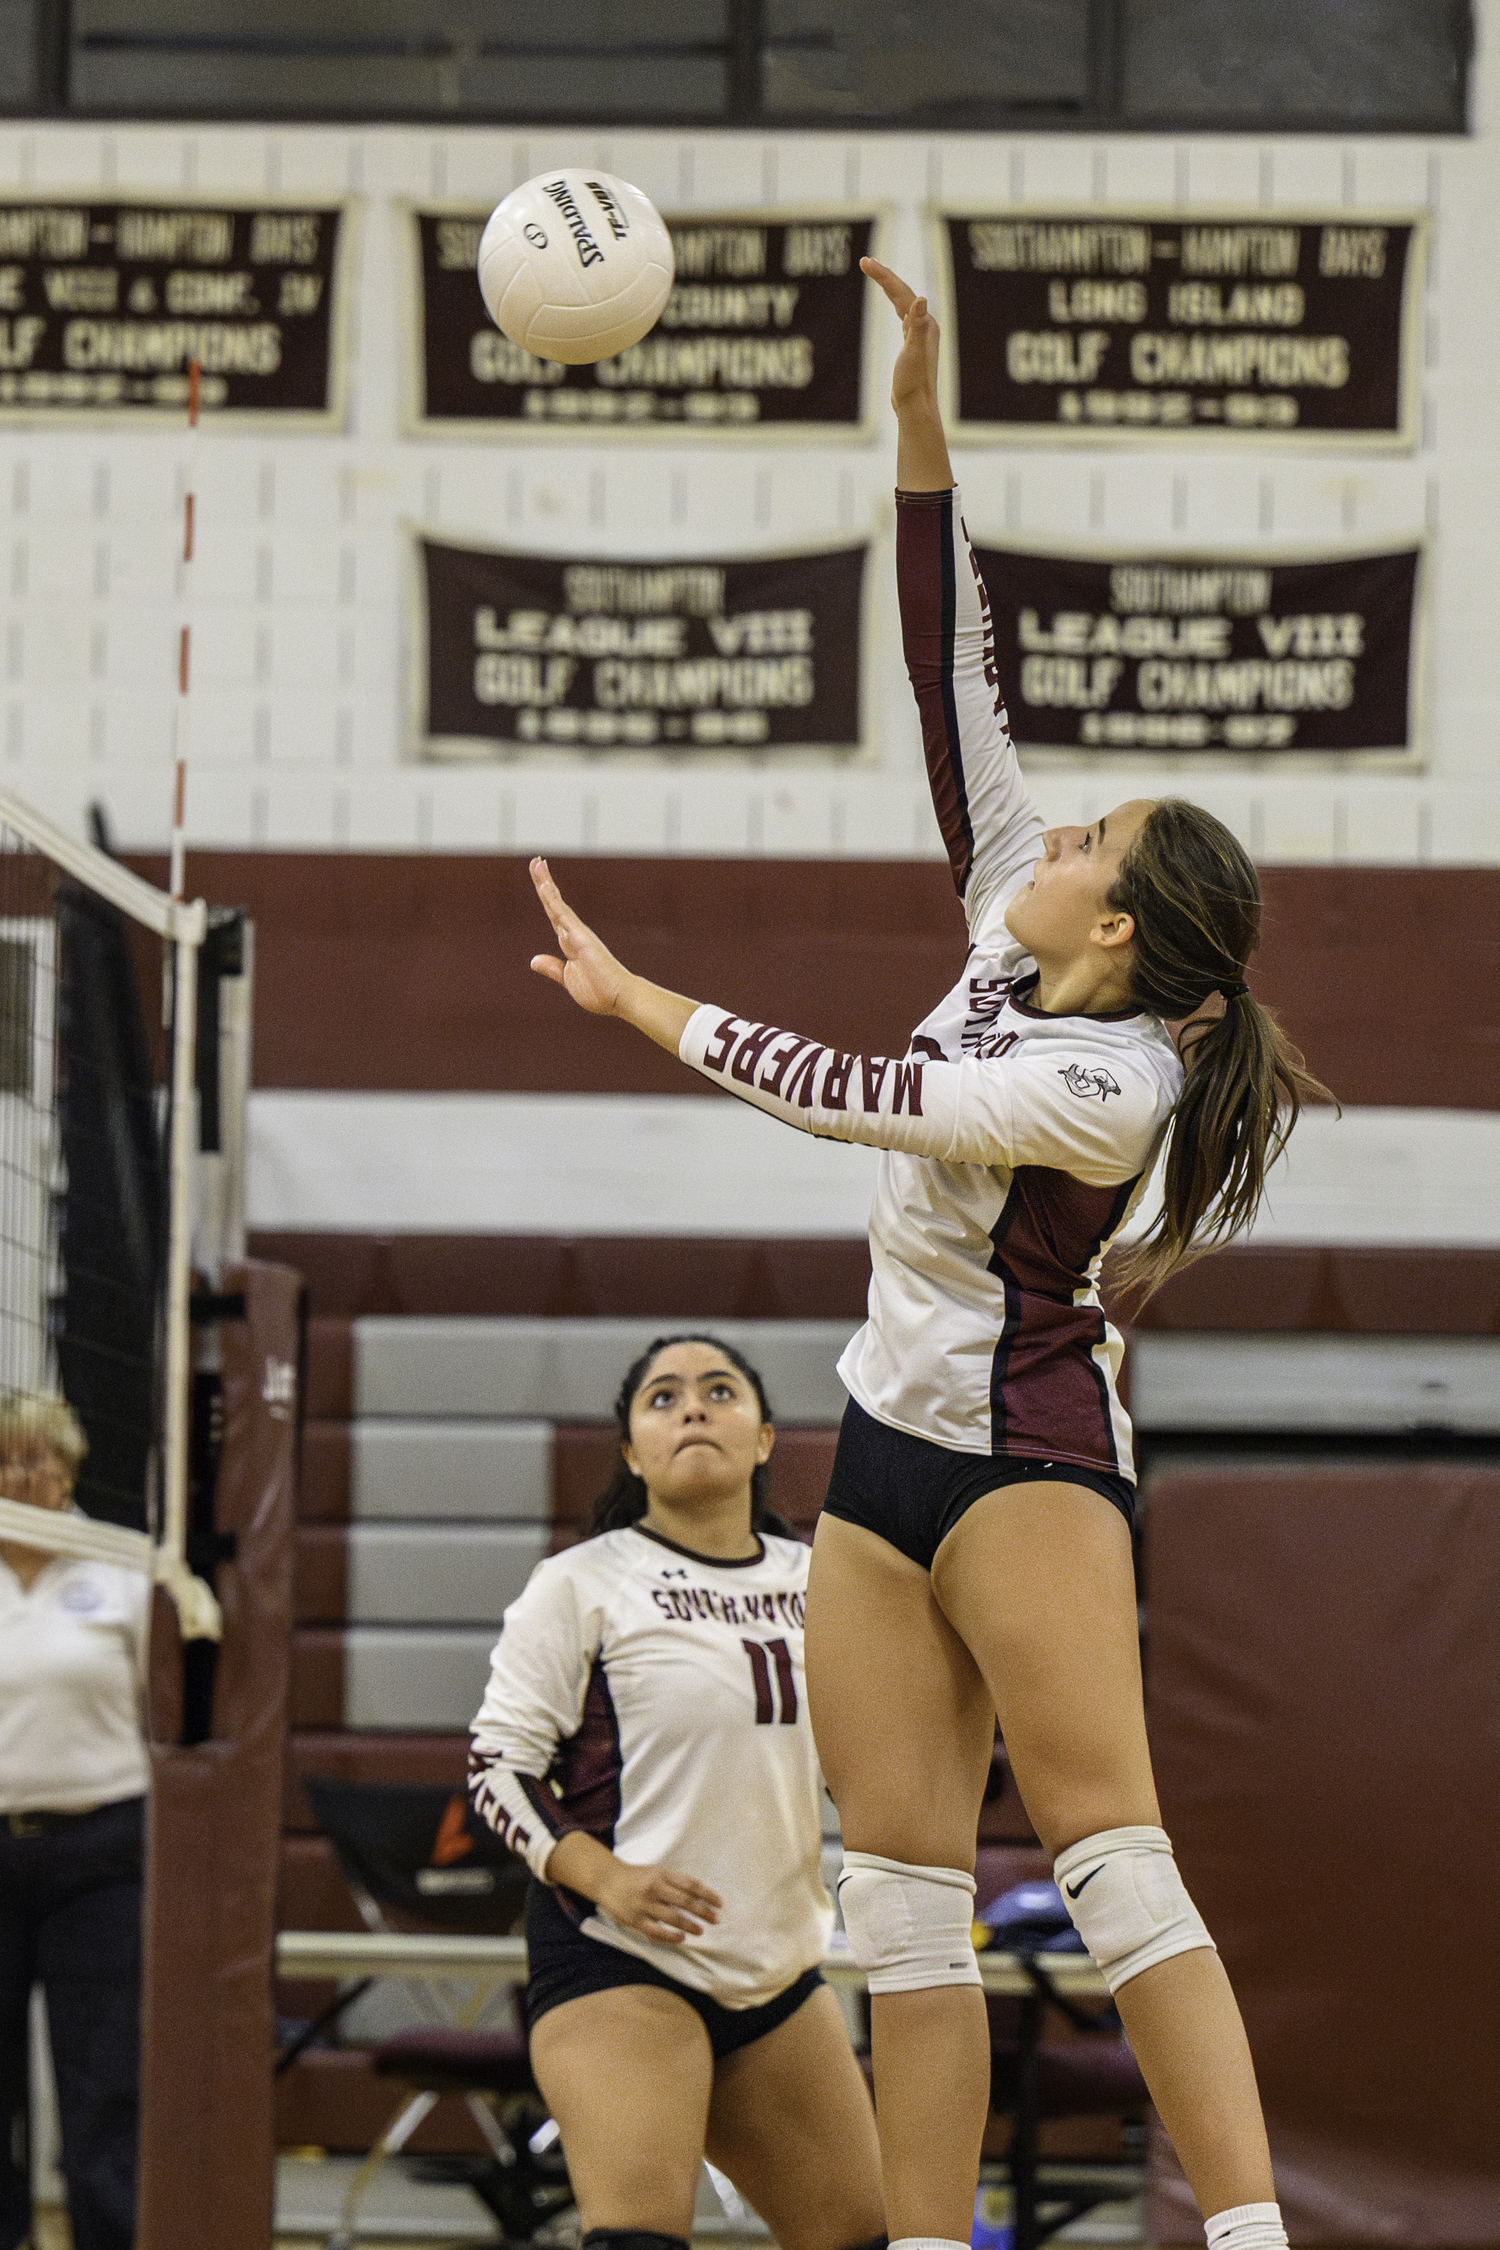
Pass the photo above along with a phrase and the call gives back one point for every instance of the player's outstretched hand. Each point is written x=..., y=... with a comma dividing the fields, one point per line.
x=588, y=972
x=656, y=1903
x=914, y=376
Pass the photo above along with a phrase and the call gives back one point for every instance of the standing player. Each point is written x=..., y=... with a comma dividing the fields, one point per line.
x=644, y=1746
x=974, y=1556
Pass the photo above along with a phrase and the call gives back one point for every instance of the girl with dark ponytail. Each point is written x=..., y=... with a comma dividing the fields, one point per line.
x=1193, y=896
x=644, y=1746
x=974, y=1558
x=625, y=1499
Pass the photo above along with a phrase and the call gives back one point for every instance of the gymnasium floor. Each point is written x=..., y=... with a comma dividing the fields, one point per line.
x=402, y=2213
x=405, y=2214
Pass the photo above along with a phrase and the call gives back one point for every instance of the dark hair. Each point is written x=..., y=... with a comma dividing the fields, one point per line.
x=625, y=1499
x=1195, y=899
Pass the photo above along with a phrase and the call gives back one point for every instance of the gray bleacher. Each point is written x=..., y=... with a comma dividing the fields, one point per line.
x=451, y=1485
x=570, y=1370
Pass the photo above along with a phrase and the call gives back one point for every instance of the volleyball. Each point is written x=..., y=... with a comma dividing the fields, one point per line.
x=575, y=266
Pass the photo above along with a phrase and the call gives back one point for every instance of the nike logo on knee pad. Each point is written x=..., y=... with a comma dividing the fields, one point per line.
x=1073, y=1889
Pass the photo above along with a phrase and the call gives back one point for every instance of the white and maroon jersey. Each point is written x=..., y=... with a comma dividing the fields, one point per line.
x=1016, y=1142
x=655, y=1699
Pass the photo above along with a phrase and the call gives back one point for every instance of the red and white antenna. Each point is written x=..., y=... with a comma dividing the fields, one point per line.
x=184, y=642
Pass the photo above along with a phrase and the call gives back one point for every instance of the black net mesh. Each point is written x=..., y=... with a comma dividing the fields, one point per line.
x=83, y=1179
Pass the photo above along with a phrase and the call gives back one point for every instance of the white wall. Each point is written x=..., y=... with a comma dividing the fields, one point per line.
x=298, y=724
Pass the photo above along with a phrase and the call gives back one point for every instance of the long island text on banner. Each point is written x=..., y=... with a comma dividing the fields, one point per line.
x=1076, y=326
x=1206, y=653
x=765, y=330
x=105, y=305
x=536, y=651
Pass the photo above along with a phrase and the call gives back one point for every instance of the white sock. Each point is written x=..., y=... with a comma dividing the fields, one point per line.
x=1249, y=2226
x=927, y=2242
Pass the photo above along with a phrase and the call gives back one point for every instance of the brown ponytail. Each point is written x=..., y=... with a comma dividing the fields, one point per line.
x=1195, y=899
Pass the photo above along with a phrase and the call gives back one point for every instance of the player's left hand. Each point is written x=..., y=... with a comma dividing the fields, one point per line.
x=914, y=376
x=588, y=972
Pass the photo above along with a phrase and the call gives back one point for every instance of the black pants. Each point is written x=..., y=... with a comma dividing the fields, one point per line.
x=70, y=1920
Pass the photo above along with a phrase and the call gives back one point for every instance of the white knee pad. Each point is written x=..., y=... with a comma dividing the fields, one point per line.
x=1128, y=1902
x=909, y=1927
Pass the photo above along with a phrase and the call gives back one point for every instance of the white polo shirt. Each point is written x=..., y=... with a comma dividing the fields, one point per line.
x=72, y=1668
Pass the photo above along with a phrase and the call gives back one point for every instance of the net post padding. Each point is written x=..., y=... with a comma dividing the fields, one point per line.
x=207, y=2136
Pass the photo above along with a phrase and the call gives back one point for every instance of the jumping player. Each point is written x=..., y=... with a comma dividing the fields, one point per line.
x=644, y=1745
x=974, y=1556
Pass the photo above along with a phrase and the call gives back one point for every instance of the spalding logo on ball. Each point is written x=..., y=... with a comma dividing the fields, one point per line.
x=575, y=266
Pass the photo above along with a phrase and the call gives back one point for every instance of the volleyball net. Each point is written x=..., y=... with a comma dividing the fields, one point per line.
x=98, y=1031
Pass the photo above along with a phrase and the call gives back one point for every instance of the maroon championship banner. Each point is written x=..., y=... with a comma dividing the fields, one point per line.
x=1206, y=653
x=105, y=305
x=1263, y=329
x=765, y=330
x=542, y=650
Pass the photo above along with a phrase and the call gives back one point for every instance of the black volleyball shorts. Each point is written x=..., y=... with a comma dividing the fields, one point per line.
x=564, y=1963
x=911, y=1493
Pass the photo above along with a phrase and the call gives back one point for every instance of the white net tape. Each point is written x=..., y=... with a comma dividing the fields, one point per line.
x=87, y=1541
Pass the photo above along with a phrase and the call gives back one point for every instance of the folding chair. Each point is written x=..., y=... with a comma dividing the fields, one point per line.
x=416, y=1855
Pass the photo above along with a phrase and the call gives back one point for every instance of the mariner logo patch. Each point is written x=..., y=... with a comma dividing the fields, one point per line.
x=1088, y=1083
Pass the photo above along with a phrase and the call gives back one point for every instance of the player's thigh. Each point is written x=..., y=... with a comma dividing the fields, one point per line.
x=628, y=2074
x=902, y=1717
x=792, y=2123
x=1038, y=1581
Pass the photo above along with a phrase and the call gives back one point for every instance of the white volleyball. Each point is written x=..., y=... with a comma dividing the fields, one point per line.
x=575, y=265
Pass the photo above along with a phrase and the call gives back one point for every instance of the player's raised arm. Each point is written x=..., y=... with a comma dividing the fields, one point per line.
x=989, y=824
x=966, y=1113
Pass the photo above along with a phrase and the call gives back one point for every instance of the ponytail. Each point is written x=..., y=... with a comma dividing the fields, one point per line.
x=1195, y=899
x=625, y=1499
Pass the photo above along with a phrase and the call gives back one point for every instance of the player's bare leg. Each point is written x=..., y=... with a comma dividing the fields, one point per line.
x=1037, y=1579
x=791, y=2124
x=628, y=2075
x=904, y=1725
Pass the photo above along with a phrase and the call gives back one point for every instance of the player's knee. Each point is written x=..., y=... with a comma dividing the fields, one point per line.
x=1128, y=1902
x=909, y=1927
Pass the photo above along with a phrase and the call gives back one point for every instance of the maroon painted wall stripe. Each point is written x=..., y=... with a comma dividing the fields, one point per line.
x=1369, y=1290
x=392, y=971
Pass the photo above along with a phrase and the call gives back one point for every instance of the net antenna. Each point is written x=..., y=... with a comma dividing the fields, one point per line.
x=97, y=1126
x=185, y=638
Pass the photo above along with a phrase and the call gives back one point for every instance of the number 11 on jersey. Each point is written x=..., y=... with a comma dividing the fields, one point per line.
x=781, y=1656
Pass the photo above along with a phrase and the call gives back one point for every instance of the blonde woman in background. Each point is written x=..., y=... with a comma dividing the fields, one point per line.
x=73, y=1779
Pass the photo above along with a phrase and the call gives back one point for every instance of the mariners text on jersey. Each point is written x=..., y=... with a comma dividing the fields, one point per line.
x=1016, y=1143
x=656, y=1700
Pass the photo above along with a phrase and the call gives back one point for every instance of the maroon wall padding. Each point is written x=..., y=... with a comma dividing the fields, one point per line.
x=390, y=970
x=206, y=2166
x=1325, y=1719
x=1366, y=1290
